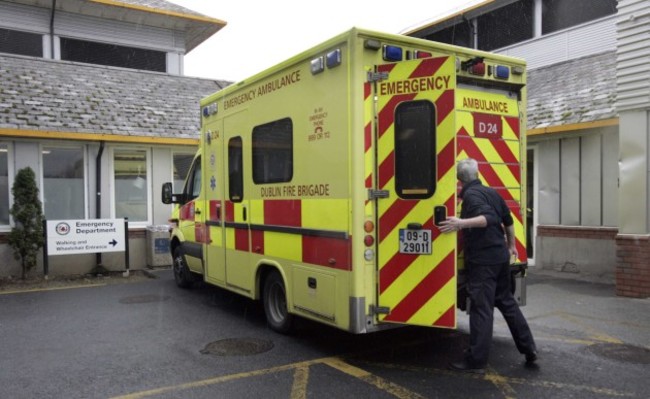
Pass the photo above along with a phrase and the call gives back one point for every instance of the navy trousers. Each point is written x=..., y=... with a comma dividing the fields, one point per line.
x=489, y=287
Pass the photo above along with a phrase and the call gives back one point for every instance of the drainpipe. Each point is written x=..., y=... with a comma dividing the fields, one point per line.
x=52, y=29
x=98, y=195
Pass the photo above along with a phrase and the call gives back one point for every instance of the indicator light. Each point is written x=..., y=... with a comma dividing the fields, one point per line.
x=368, y=240
x=392, y=53
x=368, y=226
x=517, y=70
x=422, y=54
x=368, y=254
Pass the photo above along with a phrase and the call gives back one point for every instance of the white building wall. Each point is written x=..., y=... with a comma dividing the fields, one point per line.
x=579, y=41
x=37, y=20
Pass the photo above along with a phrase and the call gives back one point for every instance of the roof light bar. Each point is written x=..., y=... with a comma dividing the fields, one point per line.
x=392, y=53
x=422, y=54
x=501, y=72
x=333, y=58
x=317, y=65
x=477, y=69
x=372, y=44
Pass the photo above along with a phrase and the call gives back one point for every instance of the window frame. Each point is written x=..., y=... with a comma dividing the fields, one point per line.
x=113, y=48
x=403, y=192
x=10, y=182
x=35, y=35
x=84, y=152
x=255, y=152
x=240, y=175
x=149, y=175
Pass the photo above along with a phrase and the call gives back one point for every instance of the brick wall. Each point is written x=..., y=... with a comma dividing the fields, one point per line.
x=633, y=266
x=589, y=252
x=597, y=233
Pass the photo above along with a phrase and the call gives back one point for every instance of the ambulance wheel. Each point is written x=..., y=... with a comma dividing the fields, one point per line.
x=182, y=274
x=275, y=304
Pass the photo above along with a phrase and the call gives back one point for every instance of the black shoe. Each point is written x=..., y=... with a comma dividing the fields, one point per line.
x=464, y=366
x=531, y=357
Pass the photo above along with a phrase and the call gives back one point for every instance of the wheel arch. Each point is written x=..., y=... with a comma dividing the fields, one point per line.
x=264, y=268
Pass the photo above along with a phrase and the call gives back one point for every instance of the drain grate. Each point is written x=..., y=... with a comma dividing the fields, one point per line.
x=237, y=347
x=622, y=352
x=144, y=299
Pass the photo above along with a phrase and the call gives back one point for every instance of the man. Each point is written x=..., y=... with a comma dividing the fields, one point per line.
x=483, y=216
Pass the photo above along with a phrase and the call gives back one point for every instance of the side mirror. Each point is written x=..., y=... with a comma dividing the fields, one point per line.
x=167, y=194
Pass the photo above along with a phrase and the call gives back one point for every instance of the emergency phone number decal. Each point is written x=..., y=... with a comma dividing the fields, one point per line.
x=318, y=119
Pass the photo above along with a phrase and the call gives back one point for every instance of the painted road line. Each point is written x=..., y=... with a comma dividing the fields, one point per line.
x=69, y=287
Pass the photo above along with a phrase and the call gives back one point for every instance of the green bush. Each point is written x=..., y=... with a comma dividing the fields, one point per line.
x=26, y=237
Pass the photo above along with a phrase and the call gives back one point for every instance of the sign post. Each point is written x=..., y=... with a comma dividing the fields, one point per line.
x=85, y=236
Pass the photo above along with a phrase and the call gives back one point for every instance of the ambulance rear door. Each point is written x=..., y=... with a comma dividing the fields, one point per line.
x=415, y=172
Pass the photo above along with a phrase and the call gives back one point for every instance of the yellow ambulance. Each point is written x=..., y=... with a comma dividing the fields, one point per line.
x=317, y=182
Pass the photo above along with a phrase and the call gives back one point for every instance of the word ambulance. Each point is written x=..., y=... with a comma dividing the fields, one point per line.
x=315, y=182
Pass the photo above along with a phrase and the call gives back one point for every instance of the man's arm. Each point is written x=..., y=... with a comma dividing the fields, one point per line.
x=454, y=224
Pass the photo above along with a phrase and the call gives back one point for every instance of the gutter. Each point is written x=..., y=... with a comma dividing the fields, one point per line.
x=52, y=29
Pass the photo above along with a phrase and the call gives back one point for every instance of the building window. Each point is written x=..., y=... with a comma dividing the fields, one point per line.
x=113, y=55
x=459, y=34
x=4, y=184
x=562, y=14
x=506, y=25
x=22, y=43
x=63, y=183
x=181, y=164
x=131, y=185
x=415, y=149
x=273, y=152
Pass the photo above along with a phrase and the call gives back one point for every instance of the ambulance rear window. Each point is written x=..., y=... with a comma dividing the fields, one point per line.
x=273, y=152
x=415, y=149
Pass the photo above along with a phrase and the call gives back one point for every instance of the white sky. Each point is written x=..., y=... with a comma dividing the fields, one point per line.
x=262, y=33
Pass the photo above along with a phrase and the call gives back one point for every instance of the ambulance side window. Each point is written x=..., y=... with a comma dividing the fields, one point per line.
x=273, y=152
x=415, y=149
x=235, y=170
x=193, y=186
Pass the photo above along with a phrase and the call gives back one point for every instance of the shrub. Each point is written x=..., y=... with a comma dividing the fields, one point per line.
x=26, y=237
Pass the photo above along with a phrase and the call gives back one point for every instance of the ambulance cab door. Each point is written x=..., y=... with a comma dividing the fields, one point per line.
x=191, y=217
x=415, y=173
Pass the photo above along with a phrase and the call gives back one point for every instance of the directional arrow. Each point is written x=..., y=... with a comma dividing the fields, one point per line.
x=113, y=243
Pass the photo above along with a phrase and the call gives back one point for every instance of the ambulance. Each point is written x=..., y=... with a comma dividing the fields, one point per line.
x=318, y=183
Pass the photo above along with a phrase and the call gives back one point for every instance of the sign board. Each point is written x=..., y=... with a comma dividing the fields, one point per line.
x=85, y=236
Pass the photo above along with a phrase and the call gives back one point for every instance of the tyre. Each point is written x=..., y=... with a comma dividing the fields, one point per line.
x=182, y=274
x=275, y=304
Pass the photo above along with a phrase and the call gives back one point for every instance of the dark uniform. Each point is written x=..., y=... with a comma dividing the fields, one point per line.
x=487, y=261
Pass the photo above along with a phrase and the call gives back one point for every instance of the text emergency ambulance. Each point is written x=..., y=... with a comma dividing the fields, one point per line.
x=316, y=181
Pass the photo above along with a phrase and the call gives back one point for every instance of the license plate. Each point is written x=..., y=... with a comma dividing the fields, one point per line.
x=415, y=241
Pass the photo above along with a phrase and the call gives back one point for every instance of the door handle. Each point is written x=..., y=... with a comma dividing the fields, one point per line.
x=197, y=211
